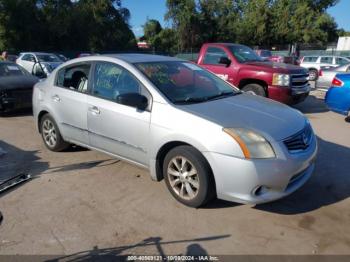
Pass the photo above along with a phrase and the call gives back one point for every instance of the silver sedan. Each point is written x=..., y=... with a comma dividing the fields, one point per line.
x=200, y=134
x=327, y=75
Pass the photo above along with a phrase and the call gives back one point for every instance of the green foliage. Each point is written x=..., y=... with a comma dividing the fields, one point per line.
x=151, y=28
x=251, y=22
x=90, y=25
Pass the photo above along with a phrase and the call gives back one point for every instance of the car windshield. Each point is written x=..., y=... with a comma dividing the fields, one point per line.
x=7, y=69
x=184, y=82
x=48, y=58
x=244, y=54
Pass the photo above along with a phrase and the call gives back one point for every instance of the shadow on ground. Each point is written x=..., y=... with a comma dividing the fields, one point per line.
x=329, y=184
x=15, y=161
x=110, y=254
x=312, y=104
x=17, y=113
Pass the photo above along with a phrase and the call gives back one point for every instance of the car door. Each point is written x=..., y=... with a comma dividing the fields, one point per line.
x=116, y=128
x=27, y=62
x=211, y=62
x=326, y=60
x=69, y=101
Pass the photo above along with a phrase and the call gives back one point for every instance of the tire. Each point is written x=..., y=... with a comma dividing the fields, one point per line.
x=51, y=135
x=192, y=190
x=313, y=74
x=254, y=89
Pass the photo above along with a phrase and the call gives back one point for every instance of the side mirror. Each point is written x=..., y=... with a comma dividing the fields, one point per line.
x=38, y=71
x=134, y=100
x=224, y=60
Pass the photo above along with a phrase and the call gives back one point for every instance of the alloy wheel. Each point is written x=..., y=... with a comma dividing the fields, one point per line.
x=183, y=177
x=49, y=133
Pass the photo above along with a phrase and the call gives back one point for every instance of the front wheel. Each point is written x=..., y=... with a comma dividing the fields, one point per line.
x=188, y=176
x=313, y=74
x=254, y=89
x=51, y=135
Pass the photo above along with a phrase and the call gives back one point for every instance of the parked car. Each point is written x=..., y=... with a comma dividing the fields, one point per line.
x=35, y=62
x=314, y=63
x=186, y=125
x=338, y=95
x=267, y=55
x=242, y=67
x=326, y=76
x=12, y=58
x=16, y=87
x=62, y=57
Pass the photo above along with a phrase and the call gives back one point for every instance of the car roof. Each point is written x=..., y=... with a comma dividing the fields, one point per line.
x=36, y=53
x=140, y=58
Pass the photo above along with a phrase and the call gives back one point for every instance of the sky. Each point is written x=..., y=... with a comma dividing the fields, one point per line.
x=155, y=9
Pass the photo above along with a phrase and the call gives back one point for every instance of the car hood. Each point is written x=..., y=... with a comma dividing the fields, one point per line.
x=278, y=67
x=252, y=112
x=17, y=82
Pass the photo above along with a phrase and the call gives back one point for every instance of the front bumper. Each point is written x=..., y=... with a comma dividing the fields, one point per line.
x=261, y=180
x=288, y=95
x=18, y=100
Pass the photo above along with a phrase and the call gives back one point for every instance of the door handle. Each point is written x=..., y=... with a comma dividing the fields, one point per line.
x=94, y=110
x=56, y=98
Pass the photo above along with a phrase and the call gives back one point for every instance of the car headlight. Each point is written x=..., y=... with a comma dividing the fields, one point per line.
x=252, y=144
x=280, y=80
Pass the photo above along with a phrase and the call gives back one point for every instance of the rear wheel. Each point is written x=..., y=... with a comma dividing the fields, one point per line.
x=51, y=135
x=188, y=176
x=313, y=74
x=254, y=89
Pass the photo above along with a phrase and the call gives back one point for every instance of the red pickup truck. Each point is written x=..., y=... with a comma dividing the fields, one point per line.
x=242, y=67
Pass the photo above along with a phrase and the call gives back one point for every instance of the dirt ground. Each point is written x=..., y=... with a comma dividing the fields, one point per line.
x=81, y=202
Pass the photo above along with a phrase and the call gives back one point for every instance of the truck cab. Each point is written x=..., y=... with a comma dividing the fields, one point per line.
x=242, y=67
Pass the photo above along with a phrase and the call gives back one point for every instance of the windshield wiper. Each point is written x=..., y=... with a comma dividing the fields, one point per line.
x=207, y=98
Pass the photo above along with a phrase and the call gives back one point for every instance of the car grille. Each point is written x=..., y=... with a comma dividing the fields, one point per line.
x=299, y=82
x=23, y=96
x=300, y=141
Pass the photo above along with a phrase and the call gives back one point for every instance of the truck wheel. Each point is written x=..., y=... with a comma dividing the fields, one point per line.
x=51, y=135
x=313, y=74
x=254, y=89
x=188, y=176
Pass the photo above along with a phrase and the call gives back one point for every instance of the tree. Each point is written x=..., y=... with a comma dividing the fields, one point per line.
x=254, y=25
x=184, y=16
x=151, y=28
x=166, y=41
x=252, y=22
x=96, y=25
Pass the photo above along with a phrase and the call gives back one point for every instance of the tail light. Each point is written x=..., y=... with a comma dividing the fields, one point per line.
x=337, y=83
x=320, y=73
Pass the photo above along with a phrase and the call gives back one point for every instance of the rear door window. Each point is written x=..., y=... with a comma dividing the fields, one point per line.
x=28, y=57
x=310, y=59
x=327, y=59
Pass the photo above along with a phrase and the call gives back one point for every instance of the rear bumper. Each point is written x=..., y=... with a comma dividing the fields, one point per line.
x=338, y=100
x=287, y=95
